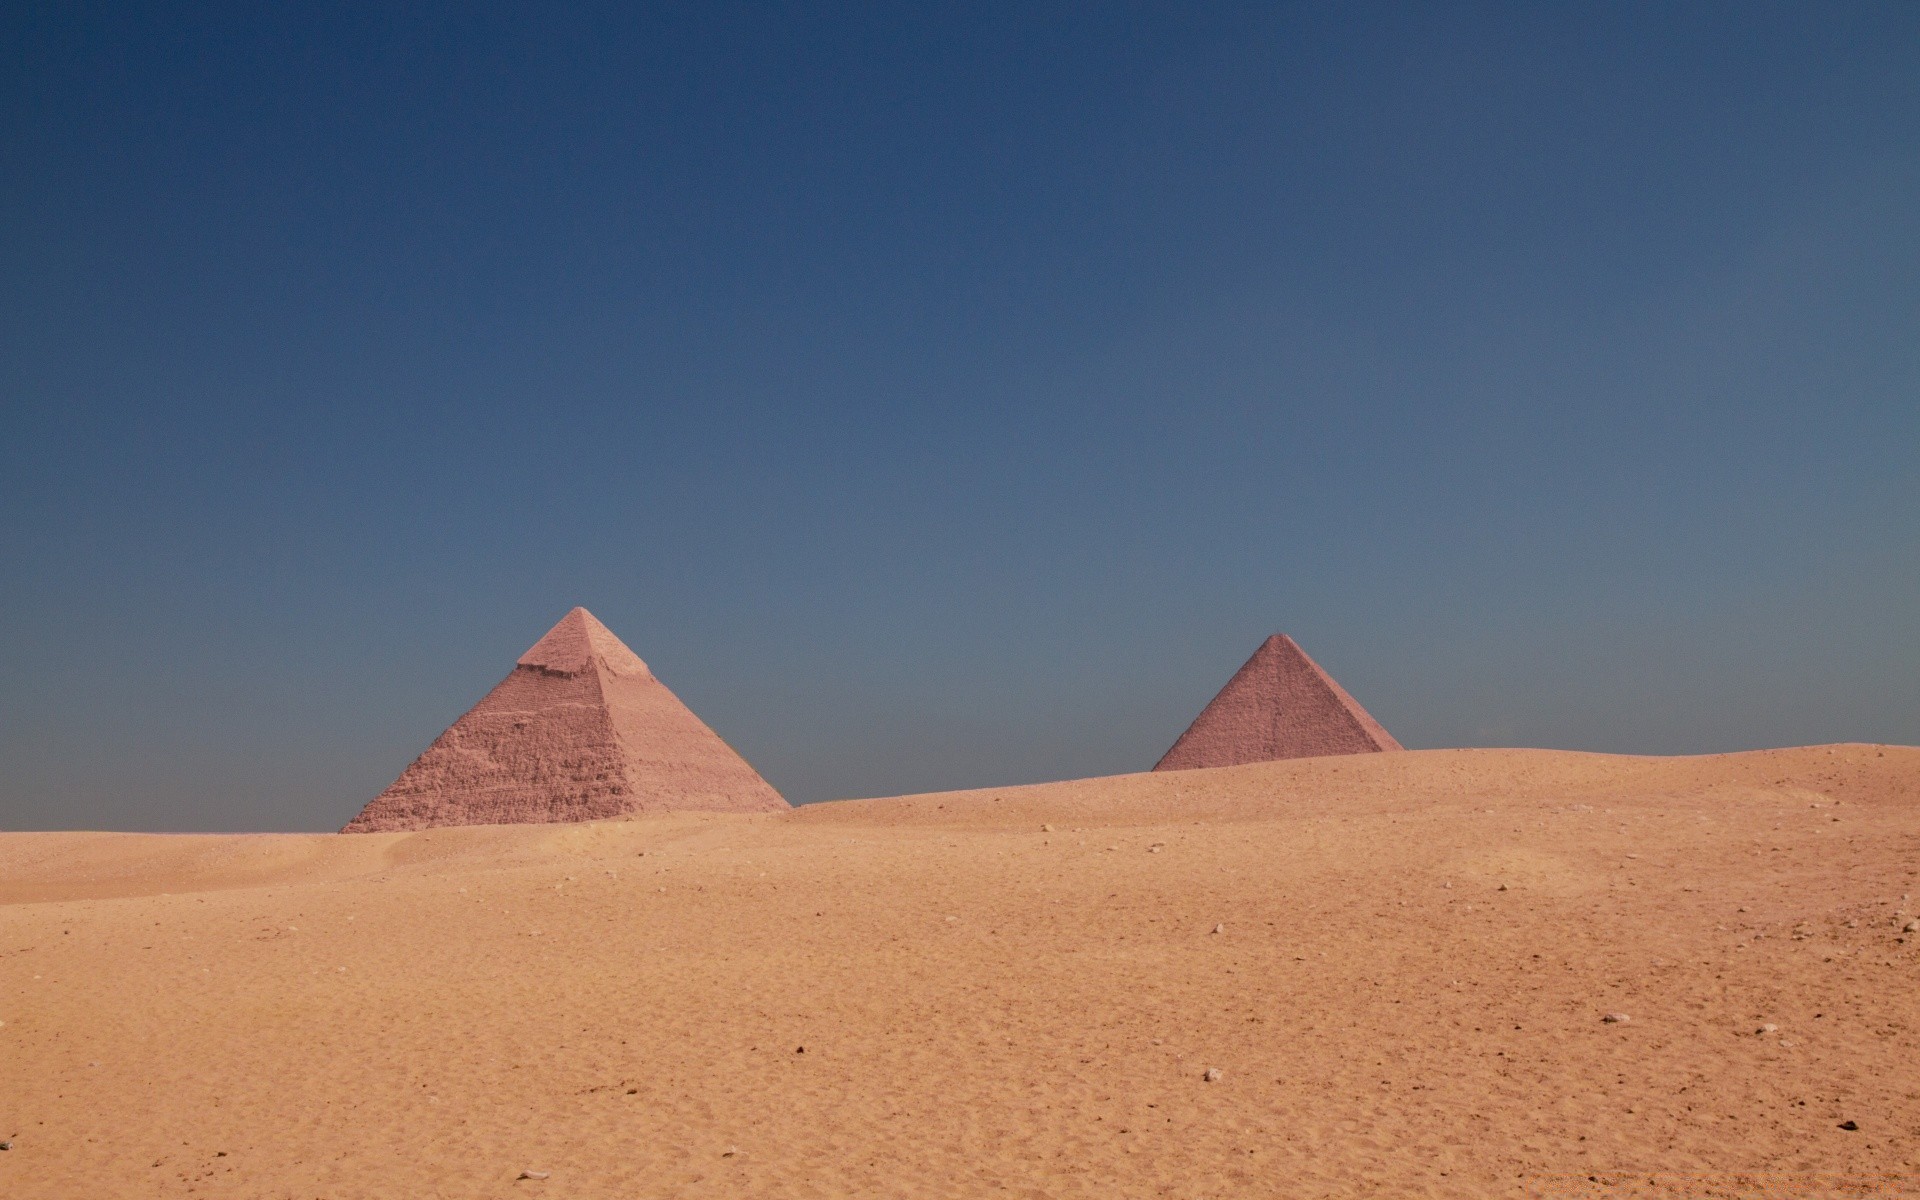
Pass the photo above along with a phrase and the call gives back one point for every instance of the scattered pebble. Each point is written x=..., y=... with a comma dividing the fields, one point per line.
x=1503, y=887
x=1849, y=1125
x=6, y=1145
x=1214, y=1075
x=1046, y=829
x=534, y=1174
x=1766, y=1029
x=1219, y=928
x=729, y=1152
x=1616, y=1018
x=1910, y=927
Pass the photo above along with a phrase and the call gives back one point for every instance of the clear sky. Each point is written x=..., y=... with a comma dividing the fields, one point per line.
x=944, y=396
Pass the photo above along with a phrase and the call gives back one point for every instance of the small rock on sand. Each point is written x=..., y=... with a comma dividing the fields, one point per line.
x=1766, y=1029
x=1046, y=829
x=1213, y=1075
x=1910, y=927
x=1849, y=1125
x=534, y=1175
x=1219, y=928
x=1616, y=1018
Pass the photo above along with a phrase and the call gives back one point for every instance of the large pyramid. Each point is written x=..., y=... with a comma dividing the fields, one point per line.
x=1280, y=704
x=579, y=731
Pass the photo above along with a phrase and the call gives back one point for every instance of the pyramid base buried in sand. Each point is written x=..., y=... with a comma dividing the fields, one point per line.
x=1279, y=704
x=579, y=731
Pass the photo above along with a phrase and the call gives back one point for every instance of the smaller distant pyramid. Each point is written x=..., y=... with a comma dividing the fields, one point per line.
x=1280, y=704
x=580, y=730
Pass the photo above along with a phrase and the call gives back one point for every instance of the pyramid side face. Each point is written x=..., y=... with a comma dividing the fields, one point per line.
x=1280, y=704
x=538, y=748
x=674, y=761
x=580, y=731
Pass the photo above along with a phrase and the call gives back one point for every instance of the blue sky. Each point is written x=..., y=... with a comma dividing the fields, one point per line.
x=945, y=397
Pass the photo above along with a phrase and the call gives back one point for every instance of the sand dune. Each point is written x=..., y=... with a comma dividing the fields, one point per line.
x=940, y=996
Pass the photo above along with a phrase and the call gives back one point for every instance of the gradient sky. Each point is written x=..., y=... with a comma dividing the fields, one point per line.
x=945, y=397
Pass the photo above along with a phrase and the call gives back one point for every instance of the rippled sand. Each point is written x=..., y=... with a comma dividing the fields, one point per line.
x=1399, y=963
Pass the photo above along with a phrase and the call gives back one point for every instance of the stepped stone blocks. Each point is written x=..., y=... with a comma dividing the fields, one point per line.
x=1279, y=704
x=579, y=731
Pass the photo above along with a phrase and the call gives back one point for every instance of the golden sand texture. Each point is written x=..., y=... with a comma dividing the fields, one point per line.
x=1398, y=963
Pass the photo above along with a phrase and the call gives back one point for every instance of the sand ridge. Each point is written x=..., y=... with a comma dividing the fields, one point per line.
x=938, y=995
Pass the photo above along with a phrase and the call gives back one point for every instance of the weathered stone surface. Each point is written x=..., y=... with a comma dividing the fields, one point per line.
x=579, y=731
x=1279, y=704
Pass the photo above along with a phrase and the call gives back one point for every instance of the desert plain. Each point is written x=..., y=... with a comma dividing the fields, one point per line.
x=1399, y=965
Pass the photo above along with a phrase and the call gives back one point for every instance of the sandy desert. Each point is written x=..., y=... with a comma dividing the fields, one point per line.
x=1399, y=965
x=1205, y=601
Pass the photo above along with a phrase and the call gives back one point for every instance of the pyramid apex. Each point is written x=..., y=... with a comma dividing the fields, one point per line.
x=1282, y=647
x=575, y=642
